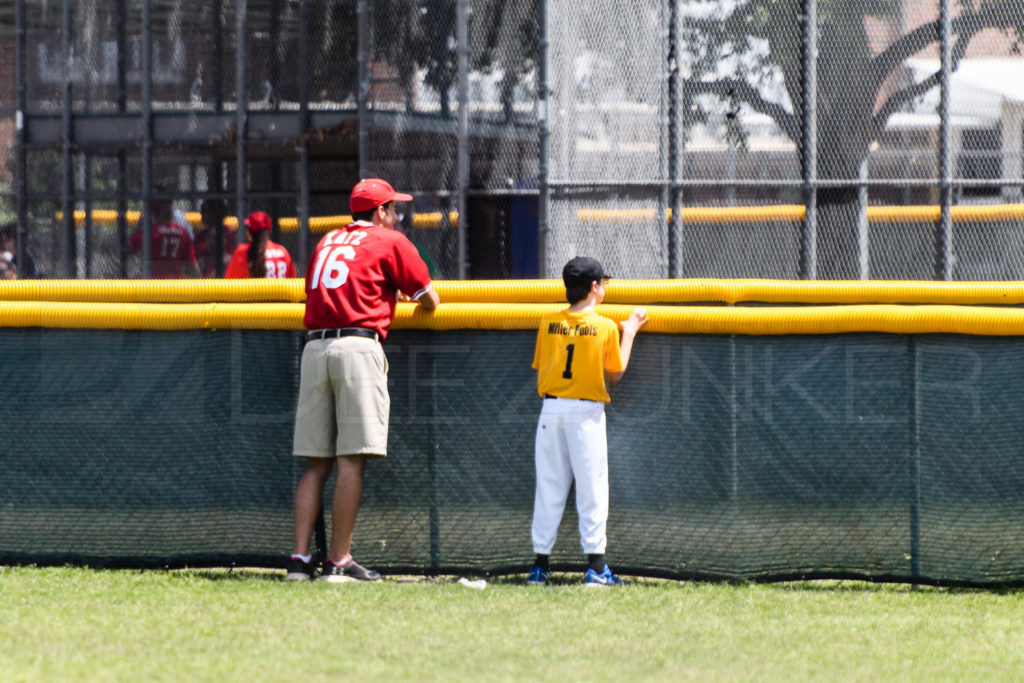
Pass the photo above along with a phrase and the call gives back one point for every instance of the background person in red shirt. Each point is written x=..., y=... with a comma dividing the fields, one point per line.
x=211, y=258
x=353, y=282
x=172, y=250
x=260, y=257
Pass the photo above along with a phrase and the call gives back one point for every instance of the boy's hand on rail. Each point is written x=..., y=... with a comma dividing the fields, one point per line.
x=637, y=319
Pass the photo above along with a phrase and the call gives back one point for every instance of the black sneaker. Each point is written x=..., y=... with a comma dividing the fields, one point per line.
x=298, y=570
x=350, y=571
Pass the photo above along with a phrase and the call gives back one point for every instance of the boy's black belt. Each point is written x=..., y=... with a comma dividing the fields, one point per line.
x=341, y=332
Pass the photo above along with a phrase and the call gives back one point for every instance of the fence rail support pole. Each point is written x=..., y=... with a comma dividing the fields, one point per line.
x=218, y=56
x=944, y=229
x=674, y=193
x=363, y=37
x=241, y=120
x=544, y=142
x=68, y=241
x=147, y=139
x=87, y=226
x=809, y=147
x=303, y=170
x=121, y=12
x=21, y=139
x=462, y=141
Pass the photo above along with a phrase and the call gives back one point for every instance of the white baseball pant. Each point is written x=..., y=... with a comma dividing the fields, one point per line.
x=571, y=443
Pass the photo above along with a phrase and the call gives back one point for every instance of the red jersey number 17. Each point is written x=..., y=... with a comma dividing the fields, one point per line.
x=331, y=266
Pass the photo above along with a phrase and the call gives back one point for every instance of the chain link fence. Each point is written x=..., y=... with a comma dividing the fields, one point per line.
x=529, y=132
x=660, y=106
x=299, y=99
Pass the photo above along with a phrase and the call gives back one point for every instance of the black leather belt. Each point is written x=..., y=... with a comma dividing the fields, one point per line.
x=550, y=396
x=341, y=332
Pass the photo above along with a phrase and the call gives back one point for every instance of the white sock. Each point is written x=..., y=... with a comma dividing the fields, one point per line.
x=306, y=559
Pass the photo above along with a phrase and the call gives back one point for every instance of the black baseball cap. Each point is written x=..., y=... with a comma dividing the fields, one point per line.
x=581, y=271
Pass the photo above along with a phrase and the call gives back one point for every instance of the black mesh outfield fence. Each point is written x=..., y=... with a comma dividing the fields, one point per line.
x=872, y=456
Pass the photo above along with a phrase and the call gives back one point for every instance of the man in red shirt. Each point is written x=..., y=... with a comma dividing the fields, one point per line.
x=172, y=250
x=355, y=276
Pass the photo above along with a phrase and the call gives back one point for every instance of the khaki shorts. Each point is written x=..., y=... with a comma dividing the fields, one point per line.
x=343, y=403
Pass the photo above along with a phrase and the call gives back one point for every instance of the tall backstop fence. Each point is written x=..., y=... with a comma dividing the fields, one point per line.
x=835, y=106
x=765, y=430
x=511, y=120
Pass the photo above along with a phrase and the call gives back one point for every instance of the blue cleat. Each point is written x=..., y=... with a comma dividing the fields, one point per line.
x=603, y=580
x=537, y=577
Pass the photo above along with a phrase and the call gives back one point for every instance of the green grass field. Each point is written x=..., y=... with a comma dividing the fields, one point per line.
x=81, y=624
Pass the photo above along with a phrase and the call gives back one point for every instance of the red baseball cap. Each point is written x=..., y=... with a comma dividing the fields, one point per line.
x=258, y=220
x=370, y=193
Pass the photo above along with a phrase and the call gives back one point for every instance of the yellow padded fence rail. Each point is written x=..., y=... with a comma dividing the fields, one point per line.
x=739, y=291
x=710, y=215
x=927, y=319
x=134, y=316
x=154, y=291
x=536, y=291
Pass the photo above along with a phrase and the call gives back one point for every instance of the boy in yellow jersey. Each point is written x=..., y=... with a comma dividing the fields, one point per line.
x=575, y=348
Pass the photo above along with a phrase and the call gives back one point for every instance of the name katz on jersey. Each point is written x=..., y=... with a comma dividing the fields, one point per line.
x=574, y=331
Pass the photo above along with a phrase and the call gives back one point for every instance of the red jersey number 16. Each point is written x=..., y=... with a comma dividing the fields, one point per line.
x=331, y=266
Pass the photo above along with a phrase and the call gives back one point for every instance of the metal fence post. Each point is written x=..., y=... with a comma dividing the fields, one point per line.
x=363, y=86
x=462, y=142
x=67, y=207
x=241, y=114
x=218, y=56
x=121, y=13
x=87, y=225
x=863, y=229
x=544, y=143
x=217, y=174
x=944, y=229
x=809, y=151
x=147, y=139
x=303, y=170
x=674, y=224
x=21, y=139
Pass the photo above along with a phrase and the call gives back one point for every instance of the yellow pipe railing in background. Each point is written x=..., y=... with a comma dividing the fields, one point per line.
x=538, y=291
x=689, y=216
x=795, y=212
x=317, y=224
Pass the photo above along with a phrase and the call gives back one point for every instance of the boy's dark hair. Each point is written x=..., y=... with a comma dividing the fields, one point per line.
x=363, y=215
x=576, y=293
